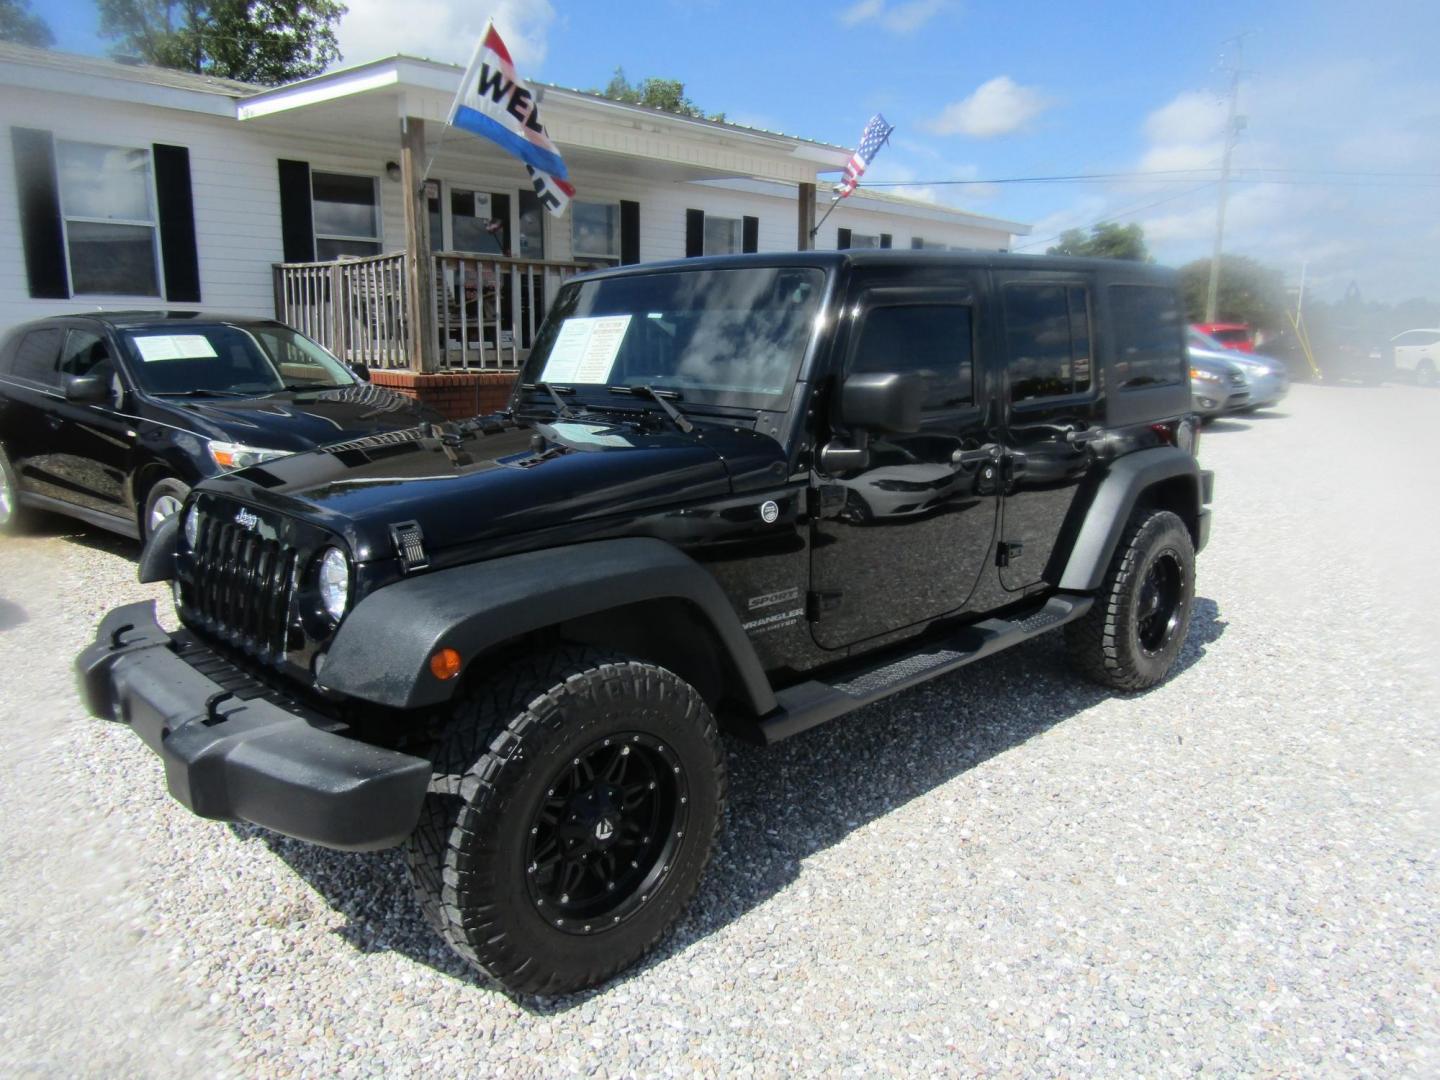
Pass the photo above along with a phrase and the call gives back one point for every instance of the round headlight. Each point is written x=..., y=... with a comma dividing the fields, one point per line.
x=192, y=527
x=334, y=582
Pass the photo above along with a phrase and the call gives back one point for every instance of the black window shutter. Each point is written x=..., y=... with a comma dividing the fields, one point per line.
x=694, y=233
x=884, y=239
x=629, y=232
x=41, y=232
x=297, y=231
x=749, y=234
x=842, y=239
x=177, y=223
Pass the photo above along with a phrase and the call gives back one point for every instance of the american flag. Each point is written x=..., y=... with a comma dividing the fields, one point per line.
x=876, y=132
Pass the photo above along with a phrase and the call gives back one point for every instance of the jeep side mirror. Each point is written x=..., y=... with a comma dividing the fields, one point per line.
x=87, y=389
x=360, y=370
x=882, y=401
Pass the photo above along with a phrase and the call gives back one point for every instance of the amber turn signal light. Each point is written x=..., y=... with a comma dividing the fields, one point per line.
x=445, y=664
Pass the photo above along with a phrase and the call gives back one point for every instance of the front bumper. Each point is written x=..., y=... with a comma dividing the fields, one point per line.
x=236, y=758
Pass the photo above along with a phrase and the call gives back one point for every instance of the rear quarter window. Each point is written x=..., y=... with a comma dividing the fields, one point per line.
x=1145, y=326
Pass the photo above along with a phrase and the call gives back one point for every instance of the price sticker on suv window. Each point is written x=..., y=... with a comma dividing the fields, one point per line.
x=155, y=347
x=585, y=350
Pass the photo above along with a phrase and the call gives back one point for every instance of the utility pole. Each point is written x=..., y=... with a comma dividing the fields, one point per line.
x=1232, y=126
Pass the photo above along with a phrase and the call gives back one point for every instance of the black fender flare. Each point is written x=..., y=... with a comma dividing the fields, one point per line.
x=1114, y=500
x=382, y=650
x=157, y=557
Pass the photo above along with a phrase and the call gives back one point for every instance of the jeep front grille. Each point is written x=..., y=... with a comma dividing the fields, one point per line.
x=242, y=586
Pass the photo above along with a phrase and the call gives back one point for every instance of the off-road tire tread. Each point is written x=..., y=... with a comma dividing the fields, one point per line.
x=1096, y=642
x=491, y=728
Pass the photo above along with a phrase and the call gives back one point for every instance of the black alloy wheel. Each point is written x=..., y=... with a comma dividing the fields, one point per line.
x=602, y=841
x=1161, y=602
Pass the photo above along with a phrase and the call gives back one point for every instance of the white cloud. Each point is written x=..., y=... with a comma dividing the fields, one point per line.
x=444, y=29
x=1191, y=117
x=997, y=107
x=900, y=18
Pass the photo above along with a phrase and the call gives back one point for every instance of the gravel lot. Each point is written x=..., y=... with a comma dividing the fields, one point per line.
x=1003, y=872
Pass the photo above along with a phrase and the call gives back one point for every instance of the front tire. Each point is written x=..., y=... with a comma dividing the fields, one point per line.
x=13, y=516
x=164, y=499
x=574, y=805
x=1130, y=638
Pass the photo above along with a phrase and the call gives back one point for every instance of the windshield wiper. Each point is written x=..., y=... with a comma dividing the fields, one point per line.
x=660, y=397
x=199, y=393
x=554, y=391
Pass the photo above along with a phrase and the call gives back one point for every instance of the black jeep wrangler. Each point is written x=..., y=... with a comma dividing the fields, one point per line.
x=753, y=493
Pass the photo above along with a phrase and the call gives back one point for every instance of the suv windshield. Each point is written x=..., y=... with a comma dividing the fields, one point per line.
x=726, y=337
x=224, y=359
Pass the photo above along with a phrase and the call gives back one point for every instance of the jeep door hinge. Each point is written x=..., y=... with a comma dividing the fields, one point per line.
x=818, y=603
x=1007, y=552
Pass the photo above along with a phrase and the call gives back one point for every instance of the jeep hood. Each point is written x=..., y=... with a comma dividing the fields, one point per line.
x=485, y=486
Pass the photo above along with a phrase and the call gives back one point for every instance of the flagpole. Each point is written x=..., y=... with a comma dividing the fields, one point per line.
x=455, y=101
x=835, y=199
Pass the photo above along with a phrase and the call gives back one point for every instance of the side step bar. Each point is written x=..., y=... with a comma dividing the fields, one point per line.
x=807, y=704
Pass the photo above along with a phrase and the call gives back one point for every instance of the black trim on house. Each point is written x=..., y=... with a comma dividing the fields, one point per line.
x=41, y=230
x=749, y=235
x=297, y=226
x=180, y=259
x=629, y=232
x=885, y=239
x=842, y=239
x=694, y=233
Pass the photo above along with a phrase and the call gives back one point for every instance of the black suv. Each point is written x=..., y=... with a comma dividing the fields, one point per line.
x=752, y=493
x=113, y=417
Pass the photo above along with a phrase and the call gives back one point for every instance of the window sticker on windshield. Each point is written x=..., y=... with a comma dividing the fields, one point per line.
x=585, y=350
x=174, y=347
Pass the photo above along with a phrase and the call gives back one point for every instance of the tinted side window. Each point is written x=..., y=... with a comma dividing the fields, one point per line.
x=934, y=341
x=1047, y=336
x=35, y=357
x=85, y=354
x=1149, y=350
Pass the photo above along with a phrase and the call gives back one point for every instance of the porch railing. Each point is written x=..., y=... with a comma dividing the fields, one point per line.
x=487, y=307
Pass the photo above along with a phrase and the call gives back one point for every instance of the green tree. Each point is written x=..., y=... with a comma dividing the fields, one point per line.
x=1106, y=241
x=262, y=41
x=20, y=25
x=1250, y=292
x=665, y=94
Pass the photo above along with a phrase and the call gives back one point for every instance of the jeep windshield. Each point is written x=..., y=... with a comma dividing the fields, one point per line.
x=226, y=360
x=722, y=337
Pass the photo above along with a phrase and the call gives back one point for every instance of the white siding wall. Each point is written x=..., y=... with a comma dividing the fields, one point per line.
x=237, y=201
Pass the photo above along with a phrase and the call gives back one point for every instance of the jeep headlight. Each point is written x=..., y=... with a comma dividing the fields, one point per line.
x=192, y=526
x=334, y=582
x=234, y=455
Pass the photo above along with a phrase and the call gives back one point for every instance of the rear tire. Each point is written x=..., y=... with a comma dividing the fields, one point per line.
x=1130, y=638
x=13, y=516
x=573, y=808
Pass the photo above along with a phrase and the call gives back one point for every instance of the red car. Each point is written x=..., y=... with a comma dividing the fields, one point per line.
x=1233, y=335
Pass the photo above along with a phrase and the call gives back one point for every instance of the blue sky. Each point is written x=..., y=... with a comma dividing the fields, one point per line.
x=982, y=90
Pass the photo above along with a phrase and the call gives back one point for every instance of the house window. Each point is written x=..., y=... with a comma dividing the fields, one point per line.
x=919, y=243
x=722, y=235
x=346, y=211
x=108, y=206
x=595, y=232
x=1047, y=332
x=864, y=240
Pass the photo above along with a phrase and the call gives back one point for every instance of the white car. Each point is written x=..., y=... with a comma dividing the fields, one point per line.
x=1417, y=354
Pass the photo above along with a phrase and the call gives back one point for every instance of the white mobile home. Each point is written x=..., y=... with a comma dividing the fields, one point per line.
x=133, y=186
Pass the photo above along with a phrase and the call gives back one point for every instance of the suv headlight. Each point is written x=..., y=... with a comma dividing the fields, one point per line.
x=192, y=526
x=334, y=582
x=1203, y=375
x=234, y=455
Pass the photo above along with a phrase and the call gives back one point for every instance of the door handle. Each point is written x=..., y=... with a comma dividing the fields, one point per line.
x=988, y=452
x=1084, y=438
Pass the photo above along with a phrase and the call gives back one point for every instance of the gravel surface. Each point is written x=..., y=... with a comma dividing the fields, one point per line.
x=1005, y=871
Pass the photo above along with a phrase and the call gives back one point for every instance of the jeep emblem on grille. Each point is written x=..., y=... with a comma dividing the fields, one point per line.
x=246, y=519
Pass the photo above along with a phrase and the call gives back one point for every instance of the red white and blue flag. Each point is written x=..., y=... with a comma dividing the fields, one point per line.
x=874, y=136
x=494, y=103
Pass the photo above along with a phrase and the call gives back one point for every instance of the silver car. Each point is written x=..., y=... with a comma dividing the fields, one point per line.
x=1268, y=378
x=1217, y=384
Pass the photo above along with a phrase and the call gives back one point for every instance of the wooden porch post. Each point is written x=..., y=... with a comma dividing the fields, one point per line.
x=804, y=241
x=419, y=294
